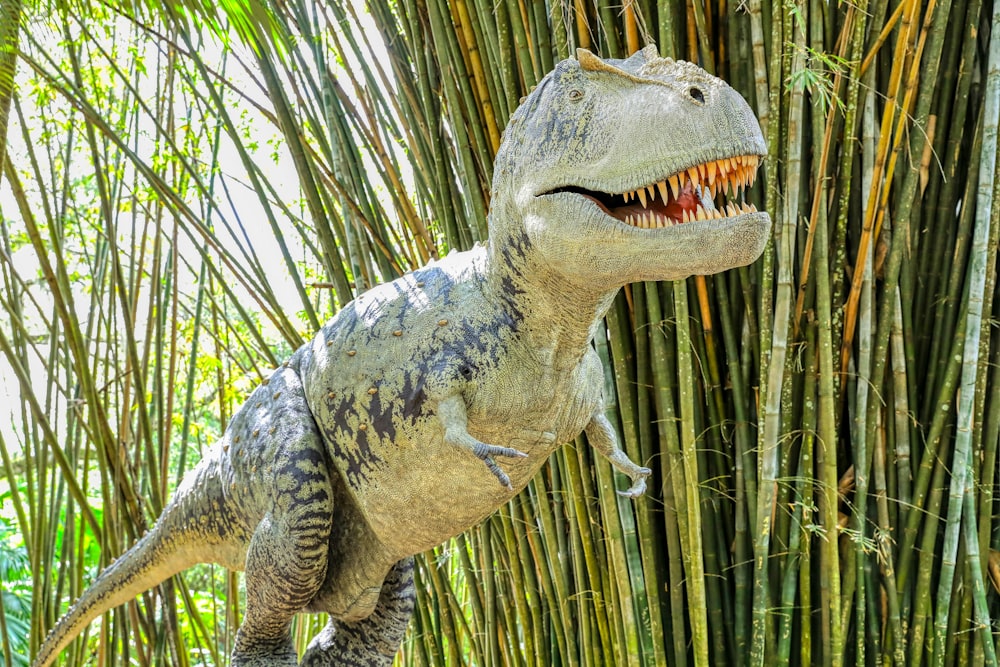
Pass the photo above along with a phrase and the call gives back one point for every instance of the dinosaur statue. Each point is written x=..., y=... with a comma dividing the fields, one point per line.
x=430, y=401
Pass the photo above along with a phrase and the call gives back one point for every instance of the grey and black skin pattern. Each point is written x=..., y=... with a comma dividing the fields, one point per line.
x=430, y=401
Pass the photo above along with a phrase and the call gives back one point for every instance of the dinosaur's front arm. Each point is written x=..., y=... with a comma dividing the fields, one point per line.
x=452, y=413
x=601, y=436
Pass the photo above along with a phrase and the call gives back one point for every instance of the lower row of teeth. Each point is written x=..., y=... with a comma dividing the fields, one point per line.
x=653, y=220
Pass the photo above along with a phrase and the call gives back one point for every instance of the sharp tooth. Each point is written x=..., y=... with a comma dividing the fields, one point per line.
x=684, y=216
x=628, y=220
x=753, y=209
x=642, y=196
x=651, y=189
x=703, y=171
x=719, y=215
x=712, y=171
x=700, y=213
x=628, y=196
x=675, y=186
x=662, y=187
x=693, y=174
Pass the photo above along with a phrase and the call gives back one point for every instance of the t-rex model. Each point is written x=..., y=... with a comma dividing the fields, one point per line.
x=385, y=435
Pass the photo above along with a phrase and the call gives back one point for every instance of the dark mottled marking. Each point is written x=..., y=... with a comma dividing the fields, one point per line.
x=381, y=413
x=343, y=411
x=413, y=394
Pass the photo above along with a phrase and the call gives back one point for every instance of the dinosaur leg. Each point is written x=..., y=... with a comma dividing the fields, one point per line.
x=287, y=557
x=372, y=641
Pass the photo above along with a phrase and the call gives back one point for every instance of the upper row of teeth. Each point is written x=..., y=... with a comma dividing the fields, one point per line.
x=653, y=220
x=730, y=174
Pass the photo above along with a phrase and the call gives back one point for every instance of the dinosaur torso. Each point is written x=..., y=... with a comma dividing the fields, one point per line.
x=436, y=330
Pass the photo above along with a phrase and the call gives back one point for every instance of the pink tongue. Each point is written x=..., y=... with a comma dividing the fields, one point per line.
x=687, y=200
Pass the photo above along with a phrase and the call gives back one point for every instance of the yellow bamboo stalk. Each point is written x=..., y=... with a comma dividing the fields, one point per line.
x=631, y=27
x=474, y=64
x=882, y=173
x=582, y=26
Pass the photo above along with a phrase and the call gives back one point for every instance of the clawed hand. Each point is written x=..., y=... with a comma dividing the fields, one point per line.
x=487, y=452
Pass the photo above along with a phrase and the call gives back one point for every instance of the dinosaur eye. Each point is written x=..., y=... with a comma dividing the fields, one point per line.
x=696, y=94
x=575, y=95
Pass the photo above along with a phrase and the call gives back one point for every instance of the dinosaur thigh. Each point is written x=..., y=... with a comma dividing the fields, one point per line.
x=285, y=474
x=374, y=640
x=357, y=563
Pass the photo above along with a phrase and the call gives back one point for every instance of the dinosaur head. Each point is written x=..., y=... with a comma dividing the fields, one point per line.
x=625, y=170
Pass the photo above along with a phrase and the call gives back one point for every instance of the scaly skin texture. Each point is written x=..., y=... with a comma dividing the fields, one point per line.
x=430, y=401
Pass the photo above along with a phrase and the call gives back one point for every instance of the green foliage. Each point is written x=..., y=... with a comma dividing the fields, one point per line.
x=15, y=591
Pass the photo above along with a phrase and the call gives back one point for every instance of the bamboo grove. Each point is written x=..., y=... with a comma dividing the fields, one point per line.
x=188, y=193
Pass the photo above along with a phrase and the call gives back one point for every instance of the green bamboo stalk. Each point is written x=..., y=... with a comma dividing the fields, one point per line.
x=798, y=537
x=771, y=414
x=618, y=522
x=984, y=250
x=673, y=516
x=648, y=545
x=693, y=562
x=859, y=428
x=961, y=479
x=10, y=31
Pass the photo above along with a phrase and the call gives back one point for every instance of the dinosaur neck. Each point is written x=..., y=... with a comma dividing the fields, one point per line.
x=555, y=316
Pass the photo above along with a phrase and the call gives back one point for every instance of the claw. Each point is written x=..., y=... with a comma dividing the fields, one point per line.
x=451, y=411
x=638, y=484
x=487, y=452
x=498, y=473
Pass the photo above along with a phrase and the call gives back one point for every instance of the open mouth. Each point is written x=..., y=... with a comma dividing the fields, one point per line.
x=685, y=196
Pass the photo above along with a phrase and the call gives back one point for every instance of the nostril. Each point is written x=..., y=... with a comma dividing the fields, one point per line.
x=697, y=95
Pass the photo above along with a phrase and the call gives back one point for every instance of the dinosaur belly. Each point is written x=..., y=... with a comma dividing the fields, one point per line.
x=387, y=443
x=428, y=491
x=373, y=377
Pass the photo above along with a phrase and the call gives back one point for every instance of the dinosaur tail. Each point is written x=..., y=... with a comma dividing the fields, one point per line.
x=150, y=561
x=181, y=538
